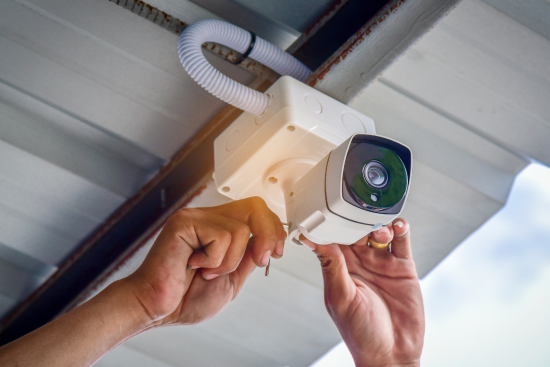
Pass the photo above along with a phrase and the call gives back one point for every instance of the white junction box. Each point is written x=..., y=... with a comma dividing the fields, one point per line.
x=265, y=155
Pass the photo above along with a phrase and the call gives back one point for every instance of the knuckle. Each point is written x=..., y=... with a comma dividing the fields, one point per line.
x=326, y=262
x=217, y=261
x=225, y=238
x=214, y=260
x=230, y=268
x=243, y=230
x=268, y=241
x=257, y=202
x=184, y=214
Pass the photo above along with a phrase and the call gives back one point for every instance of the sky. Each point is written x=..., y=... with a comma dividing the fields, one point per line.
x=488, y=302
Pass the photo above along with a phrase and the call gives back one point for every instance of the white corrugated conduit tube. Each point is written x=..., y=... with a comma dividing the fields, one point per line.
x=226, y=89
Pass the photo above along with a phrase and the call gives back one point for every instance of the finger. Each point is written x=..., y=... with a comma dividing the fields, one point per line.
x=264, y=230
x=362, y=242
x=339, y=287
x=168, y=259
x=212, y=243
x=281, y=237
x=240, y=235
x=401, y=243
x=259, y=218
x=243, y=271
x=383, y=235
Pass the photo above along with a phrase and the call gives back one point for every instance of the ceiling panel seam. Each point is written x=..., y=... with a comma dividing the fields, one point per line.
x=79, y=128
x=95, y=75
x=517, y=67
x=453, y=118
x=62, y=22
x=79, y=118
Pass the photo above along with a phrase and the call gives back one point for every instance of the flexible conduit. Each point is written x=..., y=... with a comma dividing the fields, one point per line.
x=226, y=89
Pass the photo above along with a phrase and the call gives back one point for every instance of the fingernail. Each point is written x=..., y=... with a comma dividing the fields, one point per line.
x=193, y=267
x=399, y=224
x=279, y=248
x=265, y=258
x=210, y=276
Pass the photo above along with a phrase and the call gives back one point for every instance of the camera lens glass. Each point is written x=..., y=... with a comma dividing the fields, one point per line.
x=375, y=174
x=375, y=177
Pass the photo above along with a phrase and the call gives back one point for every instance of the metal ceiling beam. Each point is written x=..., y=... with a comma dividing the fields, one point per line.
x=182, y=177
x=269, y=29
x=340, y=23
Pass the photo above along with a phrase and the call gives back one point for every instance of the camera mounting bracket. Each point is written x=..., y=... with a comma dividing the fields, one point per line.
x=265, y=155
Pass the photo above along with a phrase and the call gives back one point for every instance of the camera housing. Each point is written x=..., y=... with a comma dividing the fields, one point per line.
x=346, y=215
x=294, y=156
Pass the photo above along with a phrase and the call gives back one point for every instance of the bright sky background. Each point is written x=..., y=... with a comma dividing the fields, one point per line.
x=488, y=302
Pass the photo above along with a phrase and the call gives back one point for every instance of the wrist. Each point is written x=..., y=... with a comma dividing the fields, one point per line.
x=368, y=364
x=130, y=314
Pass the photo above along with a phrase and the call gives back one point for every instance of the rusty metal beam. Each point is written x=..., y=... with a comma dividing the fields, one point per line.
x=381, y=41
x=333, y=29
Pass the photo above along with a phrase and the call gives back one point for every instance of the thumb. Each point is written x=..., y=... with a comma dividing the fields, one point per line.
x=339, y=287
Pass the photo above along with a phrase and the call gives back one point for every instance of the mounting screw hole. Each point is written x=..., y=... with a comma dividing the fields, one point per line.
x=290, y=128
x=225, y=189
x=272, y=180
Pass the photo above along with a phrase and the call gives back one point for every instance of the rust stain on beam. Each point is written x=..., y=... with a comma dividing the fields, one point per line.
x=354, y=42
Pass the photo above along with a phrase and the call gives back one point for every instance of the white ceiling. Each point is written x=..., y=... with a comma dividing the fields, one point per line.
x=93, y=101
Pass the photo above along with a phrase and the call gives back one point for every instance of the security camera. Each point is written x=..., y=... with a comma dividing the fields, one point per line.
x=356, y=189
x=316, y=162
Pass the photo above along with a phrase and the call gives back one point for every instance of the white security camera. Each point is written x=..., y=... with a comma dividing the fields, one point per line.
x=357, y=188
x=317, y=163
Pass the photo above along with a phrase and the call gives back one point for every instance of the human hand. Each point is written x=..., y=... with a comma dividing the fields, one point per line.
x=172, y=285
x=374, y=298
x=201, y=259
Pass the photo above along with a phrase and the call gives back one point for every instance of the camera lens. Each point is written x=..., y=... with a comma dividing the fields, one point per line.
x=375, y=177
x=375, y=174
